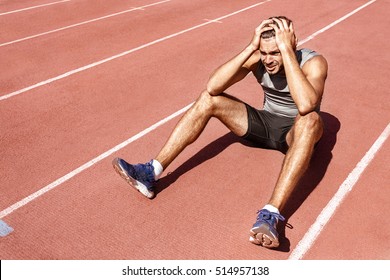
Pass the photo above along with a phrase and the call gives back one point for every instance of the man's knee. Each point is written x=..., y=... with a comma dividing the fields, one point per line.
x=205, y=96
x=205, y=102
x=310, y=124
x=311, y=120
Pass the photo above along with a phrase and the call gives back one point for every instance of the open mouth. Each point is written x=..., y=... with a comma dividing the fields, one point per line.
x=270, y=68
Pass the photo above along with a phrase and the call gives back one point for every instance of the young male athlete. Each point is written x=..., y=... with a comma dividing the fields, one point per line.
x=293, y=83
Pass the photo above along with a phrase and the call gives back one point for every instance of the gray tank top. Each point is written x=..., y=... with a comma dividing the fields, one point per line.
x=277, y=97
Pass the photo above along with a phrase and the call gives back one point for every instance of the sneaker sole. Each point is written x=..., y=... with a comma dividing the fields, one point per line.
x=263, y=236
x=130, y=180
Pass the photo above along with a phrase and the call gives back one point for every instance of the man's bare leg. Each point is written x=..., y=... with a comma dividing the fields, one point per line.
x=227, y=109
x=301, y=139
x=305, y=133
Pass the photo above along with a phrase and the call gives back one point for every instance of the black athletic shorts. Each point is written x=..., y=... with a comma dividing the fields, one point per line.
x=267, y=130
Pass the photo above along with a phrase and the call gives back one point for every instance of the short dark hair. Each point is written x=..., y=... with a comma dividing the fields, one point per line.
x=271, y=33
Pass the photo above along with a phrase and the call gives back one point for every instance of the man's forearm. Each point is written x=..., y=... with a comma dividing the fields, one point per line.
x=301, y=90
x=230, y=72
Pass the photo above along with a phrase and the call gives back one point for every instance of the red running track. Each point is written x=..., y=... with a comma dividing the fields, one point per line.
x=96, y=74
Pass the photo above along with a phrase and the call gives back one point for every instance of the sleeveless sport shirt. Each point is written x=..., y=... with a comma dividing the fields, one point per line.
x=277, y=97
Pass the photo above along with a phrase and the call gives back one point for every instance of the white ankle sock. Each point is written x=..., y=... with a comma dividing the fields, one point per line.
x=158, y=169
x=271, y=208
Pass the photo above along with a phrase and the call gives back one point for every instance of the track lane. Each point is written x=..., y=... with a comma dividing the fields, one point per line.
x=71, y=53
x=9, y=7
x=65, y=26
x=75, y=48
x=358, y=224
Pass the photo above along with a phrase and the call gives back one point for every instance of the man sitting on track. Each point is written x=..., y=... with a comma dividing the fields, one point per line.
x=293, y=82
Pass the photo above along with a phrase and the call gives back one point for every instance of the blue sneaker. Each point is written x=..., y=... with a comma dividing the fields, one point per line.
x=264, y=231
x=139, y=176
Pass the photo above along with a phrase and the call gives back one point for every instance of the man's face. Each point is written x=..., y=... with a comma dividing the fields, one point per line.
x=270, y=56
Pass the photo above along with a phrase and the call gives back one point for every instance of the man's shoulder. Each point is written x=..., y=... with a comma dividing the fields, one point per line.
x=305, y=54
x=314, y=63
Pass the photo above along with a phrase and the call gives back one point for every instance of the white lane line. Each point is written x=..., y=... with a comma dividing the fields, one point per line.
x=90, y=163
x=81, y=23
x=42, y=191
x=336, y=22
x=34, y=7
x=212, y=20
x=314, y=231
x=72, y=72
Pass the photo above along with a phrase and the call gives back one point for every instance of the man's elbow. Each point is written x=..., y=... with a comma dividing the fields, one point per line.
x=307, y=108
x=211, y=89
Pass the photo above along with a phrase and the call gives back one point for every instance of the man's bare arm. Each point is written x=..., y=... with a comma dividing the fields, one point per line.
x=307, y=84
x=239, y=66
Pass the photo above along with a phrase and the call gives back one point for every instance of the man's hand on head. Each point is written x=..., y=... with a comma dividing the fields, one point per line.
x=264, y=26
x=284, y=34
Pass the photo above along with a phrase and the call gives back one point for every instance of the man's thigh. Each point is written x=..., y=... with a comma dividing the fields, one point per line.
x=232, y=112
